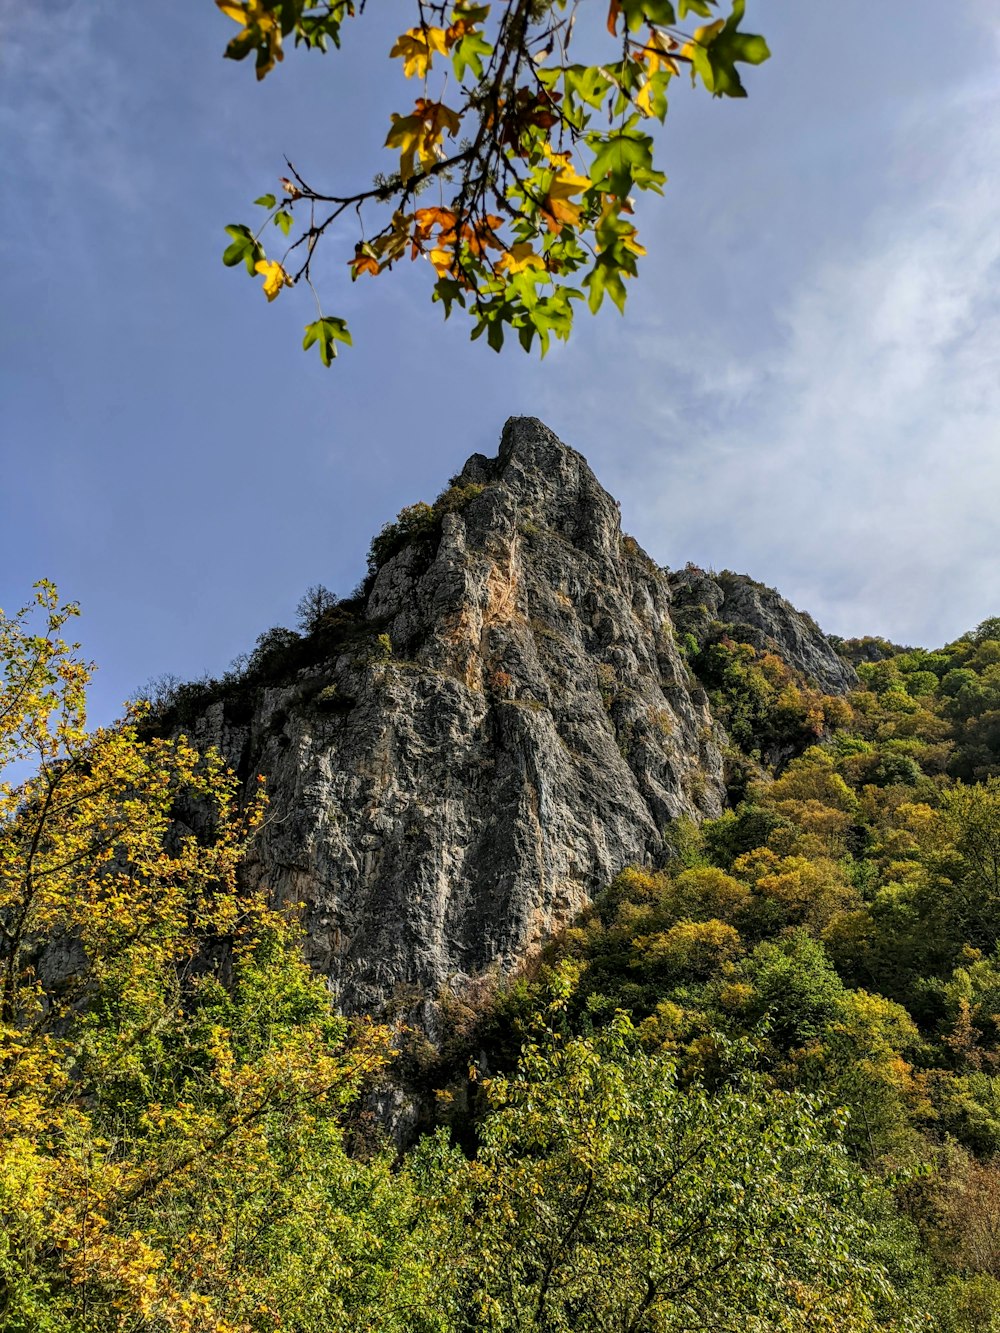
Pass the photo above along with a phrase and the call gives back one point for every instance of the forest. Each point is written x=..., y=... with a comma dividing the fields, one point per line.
x=756, y=1089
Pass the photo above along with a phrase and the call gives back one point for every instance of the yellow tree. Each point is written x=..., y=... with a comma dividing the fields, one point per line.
x=171, y=1076
x=534, y=158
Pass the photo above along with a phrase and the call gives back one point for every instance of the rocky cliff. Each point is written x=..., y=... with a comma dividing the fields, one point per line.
x=507, y=724
x=755, y=614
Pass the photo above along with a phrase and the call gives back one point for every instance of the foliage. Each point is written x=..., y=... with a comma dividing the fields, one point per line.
x=836, y=933
x=535, y=156
x=172, y=1082
x=419, y=525
x=610, y=1197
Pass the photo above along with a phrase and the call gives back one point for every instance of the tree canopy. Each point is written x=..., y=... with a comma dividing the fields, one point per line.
x=514, y=172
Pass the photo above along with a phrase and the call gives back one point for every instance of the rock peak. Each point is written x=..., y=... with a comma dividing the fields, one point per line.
x=550, y=485
x=502, y=726
x=507, y=725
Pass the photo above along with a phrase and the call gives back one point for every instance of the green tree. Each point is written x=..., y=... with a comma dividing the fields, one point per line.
x=536, y=156
x=608, y=1197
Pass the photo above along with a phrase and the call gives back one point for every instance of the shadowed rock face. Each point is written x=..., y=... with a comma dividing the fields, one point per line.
x=533, y=732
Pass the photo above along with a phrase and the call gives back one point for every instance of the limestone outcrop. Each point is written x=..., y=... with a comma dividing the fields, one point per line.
x=508, y=725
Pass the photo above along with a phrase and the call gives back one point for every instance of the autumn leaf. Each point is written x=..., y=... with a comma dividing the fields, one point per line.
x=418, y=136
x=261, y=32
x=520, y=257
x=658, y=52
x=416, y=47
x=363, y=263
x=557, y=208
x=238, y=13
x=534, y=164
x=275, y=277
x=426, y=219
x=443, y=261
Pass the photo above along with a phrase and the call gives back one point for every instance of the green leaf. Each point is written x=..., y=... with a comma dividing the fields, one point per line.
x=715, y=60
x=327, y=331
x=266, y=201
x=587, y=82
x=622, y=159
x=448, y=291
x=640, y=12
x=469, y=53
x=284, y=221
x=605, y=277
x=245, y=248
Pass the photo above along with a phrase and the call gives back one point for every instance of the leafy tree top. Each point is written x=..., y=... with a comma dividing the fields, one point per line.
x=515, y=170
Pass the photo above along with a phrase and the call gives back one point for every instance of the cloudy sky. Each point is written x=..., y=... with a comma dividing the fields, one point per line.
x=806, y=385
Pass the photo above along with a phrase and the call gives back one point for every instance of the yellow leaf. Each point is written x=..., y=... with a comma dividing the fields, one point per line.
x=657, y=53
x=702, y=37
x=254, y=11
x=642, y=99
x=275, y=277
x=562, y=164
x=519, y=257
x=418, y=136
x=406, y=135
x=417, y=47
x=442, y=261
x=233, y=11
x=557, y=208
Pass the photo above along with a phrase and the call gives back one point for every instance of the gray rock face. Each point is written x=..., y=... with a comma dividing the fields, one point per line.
x=442, y=809
x=759, y=616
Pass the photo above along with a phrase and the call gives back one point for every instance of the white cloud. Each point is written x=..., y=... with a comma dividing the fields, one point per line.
x=855, y=460
x=67, y=111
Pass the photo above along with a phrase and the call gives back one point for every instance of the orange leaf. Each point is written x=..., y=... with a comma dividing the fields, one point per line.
x=362, y=263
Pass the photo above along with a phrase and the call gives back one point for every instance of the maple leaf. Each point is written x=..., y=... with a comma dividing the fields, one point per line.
x=520, y=257
x=426, y=219
x=362, y=263
x=418, y=136
x=261, y=32
x=658, y=52
x=442, y=261
x=437, y=117
x=417, y=47
x=274, y=275
x=557, y=208
x=405, y=134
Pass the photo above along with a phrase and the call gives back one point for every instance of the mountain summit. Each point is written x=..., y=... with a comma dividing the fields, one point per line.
x=477, y=746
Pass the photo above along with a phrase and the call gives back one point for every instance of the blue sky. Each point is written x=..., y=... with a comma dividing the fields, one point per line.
x=806, y=385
